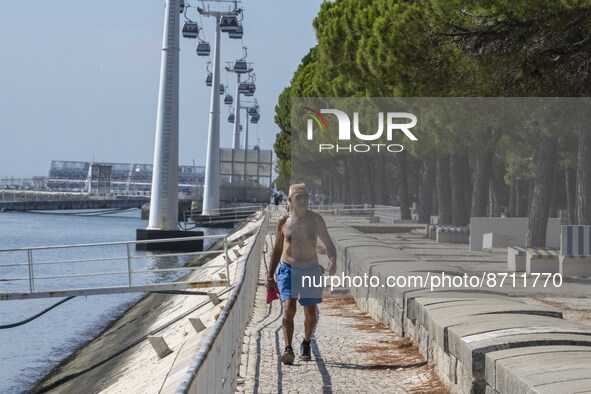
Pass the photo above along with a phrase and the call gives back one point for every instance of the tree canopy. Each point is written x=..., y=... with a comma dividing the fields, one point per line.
x=455, y=48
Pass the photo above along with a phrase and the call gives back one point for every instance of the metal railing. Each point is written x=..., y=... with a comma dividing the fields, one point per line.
x=214, y=368
x=55, y=277
x=354, y=213
x=221, y=215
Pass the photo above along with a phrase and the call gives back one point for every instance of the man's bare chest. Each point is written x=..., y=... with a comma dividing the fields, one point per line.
x=300, y=230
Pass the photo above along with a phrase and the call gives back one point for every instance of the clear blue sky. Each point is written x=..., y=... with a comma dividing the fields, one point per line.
x=80, y=79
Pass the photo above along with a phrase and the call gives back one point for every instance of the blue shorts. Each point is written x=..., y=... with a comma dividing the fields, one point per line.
x=289, y=281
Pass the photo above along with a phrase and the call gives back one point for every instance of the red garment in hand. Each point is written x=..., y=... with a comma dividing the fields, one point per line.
x=272, y=294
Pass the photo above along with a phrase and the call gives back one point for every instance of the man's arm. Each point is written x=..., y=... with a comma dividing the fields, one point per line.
x=331, y=251
x=276, y=254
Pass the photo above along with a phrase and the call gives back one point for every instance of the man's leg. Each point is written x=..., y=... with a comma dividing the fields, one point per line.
x=309, y=321
x=289, y=311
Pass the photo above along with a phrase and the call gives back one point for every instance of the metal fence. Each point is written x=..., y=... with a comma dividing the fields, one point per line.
x=215, y=367
x=356, y=213
x=193, y=218
x=40, y=272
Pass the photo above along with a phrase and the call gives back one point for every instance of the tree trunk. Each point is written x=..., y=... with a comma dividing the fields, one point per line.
x=583, y=202
x=414, y=179
x=553, y=210
x=468, y=186
x=512, y=199
x=541, y=196
x=426, y=190
x=521, y=199
x=460, y=215
x=444, y=190
x=370, y=186
x=483, y=168
x=381, y=179
x=497, y=191
x=403, y=189
x=493, y=205
x=347, y=183
x=355, y=180
x=571, y=193
x=480, y=186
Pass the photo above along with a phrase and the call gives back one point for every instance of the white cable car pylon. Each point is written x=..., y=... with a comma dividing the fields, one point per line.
x=225, y=21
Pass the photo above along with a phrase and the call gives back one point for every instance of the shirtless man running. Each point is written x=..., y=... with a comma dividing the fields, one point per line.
x=295, y=247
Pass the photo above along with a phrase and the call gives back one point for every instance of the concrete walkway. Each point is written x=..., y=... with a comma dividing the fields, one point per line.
x=352, y=353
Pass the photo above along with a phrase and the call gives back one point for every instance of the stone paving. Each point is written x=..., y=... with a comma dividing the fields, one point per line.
x=352, y=353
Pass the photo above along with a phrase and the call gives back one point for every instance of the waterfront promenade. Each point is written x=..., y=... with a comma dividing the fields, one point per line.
x=352, y=353
x=491, y=340
x=413, y=340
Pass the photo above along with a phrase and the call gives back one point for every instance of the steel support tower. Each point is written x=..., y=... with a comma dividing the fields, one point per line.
x=211, y=190
x=164, y=196
x=236, y=135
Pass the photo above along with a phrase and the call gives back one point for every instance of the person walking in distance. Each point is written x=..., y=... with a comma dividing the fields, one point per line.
x=299, y=276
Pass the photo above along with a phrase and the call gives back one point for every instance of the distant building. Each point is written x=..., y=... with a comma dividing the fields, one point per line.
x=244, y=177
x=124, y=177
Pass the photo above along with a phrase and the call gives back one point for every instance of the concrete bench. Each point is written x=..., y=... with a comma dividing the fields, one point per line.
x=530, y=260
x=542, y=260
x=575, y=250
x=386, y=214
x=515, y=228
x=494, y=240
x=452, y=234
x=432, y=229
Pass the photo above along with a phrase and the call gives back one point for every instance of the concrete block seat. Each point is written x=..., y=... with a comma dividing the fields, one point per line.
x=469, y=330
x=494, y=240
x=575, y=250
x=542, y=261
x=521, y=259
x=539, y=369
x=448, y=323
x=452, y=234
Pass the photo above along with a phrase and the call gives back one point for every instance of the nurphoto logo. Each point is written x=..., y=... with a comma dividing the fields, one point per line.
x=393, y=124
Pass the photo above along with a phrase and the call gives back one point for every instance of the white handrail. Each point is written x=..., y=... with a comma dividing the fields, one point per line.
x=53, y=290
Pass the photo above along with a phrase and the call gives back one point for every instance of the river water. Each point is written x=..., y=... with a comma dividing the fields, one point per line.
x=30, y=351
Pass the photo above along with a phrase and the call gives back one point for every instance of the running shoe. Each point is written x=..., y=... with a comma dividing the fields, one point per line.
x=305, y=351
x=288, y=356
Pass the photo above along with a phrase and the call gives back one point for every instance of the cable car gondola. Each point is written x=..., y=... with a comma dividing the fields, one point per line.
x=190, y=30
x=209, y=80
x=222, y=90
x=228, y=23
x=251, y=89
x=203, y=49
x=231, y=118
x=244, y=87
x=254, y=119
x=237, y=33
x=182, y=7
x=240, y=66
x=253, y=111
x=228, y=99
